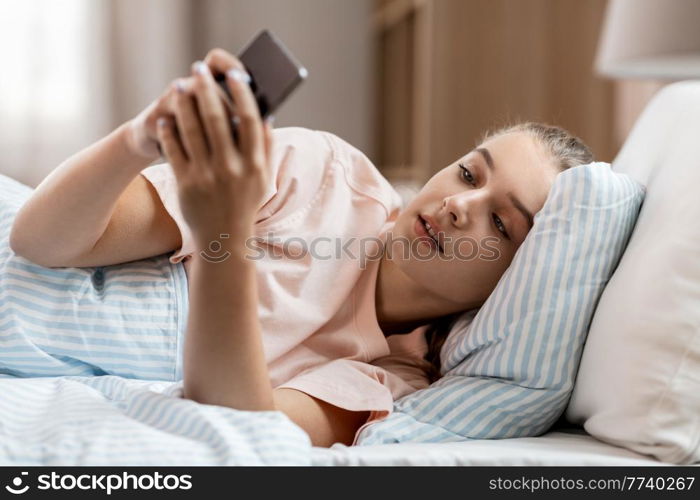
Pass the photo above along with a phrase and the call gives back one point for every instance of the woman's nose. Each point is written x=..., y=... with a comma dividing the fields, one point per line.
x=462, y=207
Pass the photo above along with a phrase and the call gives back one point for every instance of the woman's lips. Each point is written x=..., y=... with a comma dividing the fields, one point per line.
x=423, y=235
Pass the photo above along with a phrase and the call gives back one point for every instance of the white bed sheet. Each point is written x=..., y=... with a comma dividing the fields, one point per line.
x=562, y=447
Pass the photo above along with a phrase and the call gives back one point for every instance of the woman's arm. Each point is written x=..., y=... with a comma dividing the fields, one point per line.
x=224, y=360
x=96, y=193
x=224, y=363
x=70, y=209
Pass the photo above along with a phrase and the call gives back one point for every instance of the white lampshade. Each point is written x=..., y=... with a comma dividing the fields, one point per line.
x=655, y=39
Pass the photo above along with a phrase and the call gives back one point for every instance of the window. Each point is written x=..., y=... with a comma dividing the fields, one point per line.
x=43, y=46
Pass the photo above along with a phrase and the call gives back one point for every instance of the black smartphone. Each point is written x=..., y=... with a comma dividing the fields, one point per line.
x=274, y=72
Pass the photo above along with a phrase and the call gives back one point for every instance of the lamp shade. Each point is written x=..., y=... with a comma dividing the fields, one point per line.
x=656, y=39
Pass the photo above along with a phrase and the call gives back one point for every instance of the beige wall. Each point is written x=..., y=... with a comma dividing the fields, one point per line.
x=332, y=38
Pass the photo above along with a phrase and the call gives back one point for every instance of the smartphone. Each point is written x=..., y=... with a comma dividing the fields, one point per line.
x=273, y=70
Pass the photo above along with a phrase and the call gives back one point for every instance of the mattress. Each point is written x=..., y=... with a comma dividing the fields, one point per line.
x=561, y=447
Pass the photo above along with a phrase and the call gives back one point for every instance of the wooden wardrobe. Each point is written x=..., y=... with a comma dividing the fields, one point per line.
x=451, y=69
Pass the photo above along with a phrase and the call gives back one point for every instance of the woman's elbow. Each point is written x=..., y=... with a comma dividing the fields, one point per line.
x=19, y=241
x=24, y=245
x=325, y=424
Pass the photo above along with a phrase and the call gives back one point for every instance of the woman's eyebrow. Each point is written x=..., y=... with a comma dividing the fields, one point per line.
x=516, y=202
x=487, y=156
x=523, y=210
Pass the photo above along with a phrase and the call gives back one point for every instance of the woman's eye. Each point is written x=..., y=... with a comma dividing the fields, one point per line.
x=467, y=175
x=500, y=226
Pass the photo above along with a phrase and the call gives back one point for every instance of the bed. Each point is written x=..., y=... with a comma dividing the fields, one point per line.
x=112, y=420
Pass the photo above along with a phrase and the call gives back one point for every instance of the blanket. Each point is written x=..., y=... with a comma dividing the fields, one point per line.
x=111, y=420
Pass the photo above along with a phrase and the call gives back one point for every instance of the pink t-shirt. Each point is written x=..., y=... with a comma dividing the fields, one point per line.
x=316, y=291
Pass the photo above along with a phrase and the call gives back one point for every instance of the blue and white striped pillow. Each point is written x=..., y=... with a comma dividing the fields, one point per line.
x=509, y=368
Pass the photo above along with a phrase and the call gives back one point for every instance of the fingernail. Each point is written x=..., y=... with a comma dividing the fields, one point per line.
x=162, y=122
x=201, y=68
x=270, y=119
x=180, y=84
x=238, y=75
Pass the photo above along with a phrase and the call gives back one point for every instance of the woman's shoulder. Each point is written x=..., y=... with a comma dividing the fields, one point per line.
x=303, y=140
x=304, y=158
x=362, y=174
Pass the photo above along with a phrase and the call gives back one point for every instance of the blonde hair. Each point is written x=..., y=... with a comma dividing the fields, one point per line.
x=565, y=148
x=567, y=151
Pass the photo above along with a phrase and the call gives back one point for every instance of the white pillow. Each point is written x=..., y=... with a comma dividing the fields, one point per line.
x=638, y=384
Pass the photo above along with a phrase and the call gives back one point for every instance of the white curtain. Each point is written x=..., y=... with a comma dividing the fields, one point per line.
x=72, y=70
x=42, y=93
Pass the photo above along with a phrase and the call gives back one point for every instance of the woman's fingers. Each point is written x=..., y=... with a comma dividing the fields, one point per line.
x=220, y=61
x=250, y=128
x=189, y=124
x=203, y=118
x=171, y=146
x=212, y=113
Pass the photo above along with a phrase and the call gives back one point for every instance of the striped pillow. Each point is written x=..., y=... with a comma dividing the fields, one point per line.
x=509, y=368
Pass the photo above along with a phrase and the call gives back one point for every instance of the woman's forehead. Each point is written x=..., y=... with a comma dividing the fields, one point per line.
x=515, y=150
x=513, y=142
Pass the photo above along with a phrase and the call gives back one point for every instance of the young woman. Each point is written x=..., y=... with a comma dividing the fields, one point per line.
x=294, y=326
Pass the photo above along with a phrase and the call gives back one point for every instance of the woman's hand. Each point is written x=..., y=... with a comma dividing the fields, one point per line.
x=142, y=136
x=220, y=185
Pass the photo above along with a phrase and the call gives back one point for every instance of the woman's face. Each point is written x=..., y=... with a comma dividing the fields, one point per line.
x=483, y=206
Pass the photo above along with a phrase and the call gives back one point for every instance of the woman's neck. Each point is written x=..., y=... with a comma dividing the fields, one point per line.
x=401, y=304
